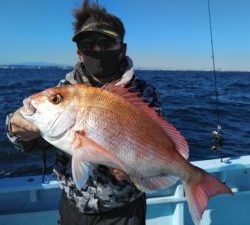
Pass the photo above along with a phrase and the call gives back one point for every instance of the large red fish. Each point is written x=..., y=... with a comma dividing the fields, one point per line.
x=116, y=128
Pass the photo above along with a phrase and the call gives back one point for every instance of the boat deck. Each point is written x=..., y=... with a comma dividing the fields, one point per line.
x=26, y=201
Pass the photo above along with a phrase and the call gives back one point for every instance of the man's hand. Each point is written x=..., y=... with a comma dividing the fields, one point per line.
x=20, y=127
x=119, y=174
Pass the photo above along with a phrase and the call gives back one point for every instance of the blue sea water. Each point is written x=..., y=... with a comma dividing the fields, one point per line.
x=188, y=100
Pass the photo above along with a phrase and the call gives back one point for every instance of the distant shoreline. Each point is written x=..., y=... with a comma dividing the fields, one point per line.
x=44, y=66
x=35, y=67
x=136, y=69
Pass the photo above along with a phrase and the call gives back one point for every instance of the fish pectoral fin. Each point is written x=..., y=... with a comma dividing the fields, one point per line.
x=81, y=170
x=154, y=183
x=92, y=152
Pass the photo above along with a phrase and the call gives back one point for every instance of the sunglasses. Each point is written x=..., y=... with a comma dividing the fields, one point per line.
x=103, y=43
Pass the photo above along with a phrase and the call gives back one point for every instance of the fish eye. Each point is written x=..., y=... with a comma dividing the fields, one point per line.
x=55, y=99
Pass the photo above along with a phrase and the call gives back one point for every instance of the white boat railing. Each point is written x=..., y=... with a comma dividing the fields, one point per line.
x=25, y=200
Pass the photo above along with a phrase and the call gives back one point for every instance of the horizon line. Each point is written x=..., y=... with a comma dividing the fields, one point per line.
x=44, y=64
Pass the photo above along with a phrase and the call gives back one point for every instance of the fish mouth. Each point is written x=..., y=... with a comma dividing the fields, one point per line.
x=28, y=109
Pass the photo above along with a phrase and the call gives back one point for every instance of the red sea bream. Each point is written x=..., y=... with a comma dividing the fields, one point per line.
x=114, y=127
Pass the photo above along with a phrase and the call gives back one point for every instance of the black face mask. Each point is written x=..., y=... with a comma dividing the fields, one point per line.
x=104, y=64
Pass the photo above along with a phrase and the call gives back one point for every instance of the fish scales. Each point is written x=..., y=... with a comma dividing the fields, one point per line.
x=135, y=136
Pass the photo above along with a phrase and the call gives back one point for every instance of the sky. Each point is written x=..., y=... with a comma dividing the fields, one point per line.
x=161, y=34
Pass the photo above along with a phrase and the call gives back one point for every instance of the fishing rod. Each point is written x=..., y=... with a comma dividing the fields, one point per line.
x=217, y=133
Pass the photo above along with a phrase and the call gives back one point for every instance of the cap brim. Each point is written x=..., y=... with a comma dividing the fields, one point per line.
x=79, y=35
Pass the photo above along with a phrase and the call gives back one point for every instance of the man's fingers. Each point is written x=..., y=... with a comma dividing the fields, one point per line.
x=23, y=128
x=18, y=121
x=119, y=174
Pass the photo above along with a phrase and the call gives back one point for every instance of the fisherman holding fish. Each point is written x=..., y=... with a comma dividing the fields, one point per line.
x=102, y=117
x=109, y=196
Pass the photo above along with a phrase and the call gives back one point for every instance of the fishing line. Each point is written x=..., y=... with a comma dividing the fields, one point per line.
x=45, y=177
x=217, y=136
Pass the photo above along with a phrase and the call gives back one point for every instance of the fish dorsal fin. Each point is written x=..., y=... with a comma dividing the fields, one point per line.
x=141, y=103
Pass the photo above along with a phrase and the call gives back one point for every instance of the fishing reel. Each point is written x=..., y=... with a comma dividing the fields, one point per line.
x=217, y=139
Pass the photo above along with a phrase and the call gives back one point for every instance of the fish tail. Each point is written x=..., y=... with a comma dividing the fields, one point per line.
x=199, y=189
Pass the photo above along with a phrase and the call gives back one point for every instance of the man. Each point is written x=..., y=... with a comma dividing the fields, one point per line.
x=109, y=196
